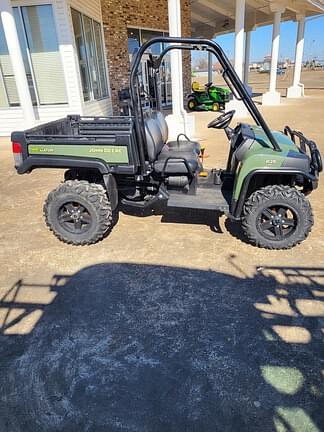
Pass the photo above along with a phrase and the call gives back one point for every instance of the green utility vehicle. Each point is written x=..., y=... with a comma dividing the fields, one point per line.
x=208, y=98
x=121, y=163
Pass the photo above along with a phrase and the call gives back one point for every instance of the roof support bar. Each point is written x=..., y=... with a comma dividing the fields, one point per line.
x=215, y=49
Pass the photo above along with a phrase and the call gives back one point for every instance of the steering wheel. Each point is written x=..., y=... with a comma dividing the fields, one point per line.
x=223, y=121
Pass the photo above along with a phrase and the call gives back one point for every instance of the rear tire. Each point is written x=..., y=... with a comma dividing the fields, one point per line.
x=78, y=212
x=215, y=107
x=277, y=217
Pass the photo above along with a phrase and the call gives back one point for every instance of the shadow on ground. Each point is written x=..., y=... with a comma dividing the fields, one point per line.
x=125, y=347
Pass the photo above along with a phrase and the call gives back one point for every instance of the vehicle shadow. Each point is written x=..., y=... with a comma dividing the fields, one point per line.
x=133, y=347
x=210, y=218
x=234, y=227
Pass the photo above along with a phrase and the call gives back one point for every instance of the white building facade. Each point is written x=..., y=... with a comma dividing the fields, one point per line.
x=53, y=56
x=52, y=62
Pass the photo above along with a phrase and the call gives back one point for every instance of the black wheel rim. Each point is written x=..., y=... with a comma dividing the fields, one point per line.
x=277, y=222
x=74, y=218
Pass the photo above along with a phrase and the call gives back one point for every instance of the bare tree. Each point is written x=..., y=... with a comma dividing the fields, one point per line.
x=201, y=63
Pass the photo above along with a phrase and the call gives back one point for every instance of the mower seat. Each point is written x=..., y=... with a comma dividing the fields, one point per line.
x=179, y=145
x=196, y=88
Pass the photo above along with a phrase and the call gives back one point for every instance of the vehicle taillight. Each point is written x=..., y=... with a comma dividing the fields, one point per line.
x=17, y=153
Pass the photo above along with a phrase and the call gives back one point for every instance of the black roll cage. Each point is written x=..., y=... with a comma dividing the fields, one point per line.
x=229, y=75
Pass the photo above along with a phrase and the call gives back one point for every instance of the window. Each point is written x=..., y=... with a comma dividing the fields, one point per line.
x=89, y=46
x=39, y=48
x=45, y=61
x=24, y=52
x=8, y=90
x=147, y=35
x=134, y=41
x=100, y=58
x=81, y=51
x=136, y=37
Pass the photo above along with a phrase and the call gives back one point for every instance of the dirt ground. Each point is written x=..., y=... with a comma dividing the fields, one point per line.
x=312, y=79
x=172, y=323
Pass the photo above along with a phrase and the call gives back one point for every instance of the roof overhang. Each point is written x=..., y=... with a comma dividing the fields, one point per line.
x=215, y=17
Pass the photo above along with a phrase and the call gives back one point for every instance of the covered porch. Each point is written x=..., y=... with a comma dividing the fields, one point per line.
x=214, y=18
x=211, y=18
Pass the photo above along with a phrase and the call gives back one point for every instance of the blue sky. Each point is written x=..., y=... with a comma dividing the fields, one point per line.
x=261, y=41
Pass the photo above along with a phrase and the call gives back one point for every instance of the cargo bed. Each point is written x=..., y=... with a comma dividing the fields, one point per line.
x=105, y=142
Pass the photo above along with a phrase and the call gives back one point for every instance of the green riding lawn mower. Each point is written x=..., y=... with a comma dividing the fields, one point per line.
x=208, y=98
x=123, y=163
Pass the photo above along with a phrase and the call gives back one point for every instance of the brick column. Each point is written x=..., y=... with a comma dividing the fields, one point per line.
x=117, y=16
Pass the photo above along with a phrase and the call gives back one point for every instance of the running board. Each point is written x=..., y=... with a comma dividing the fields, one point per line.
x=205, y=199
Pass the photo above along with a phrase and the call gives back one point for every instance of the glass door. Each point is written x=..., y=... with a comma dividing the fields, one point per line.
x=136, y=37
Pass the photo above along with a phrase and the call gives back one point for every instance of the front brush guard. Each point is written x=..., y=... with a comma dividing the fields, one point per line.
x=307, y=146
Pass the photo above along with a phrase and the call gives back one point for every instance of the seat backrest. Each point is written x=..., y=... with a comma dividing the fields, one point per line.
x=154, y=138
x=196, y=87
x=163, y=125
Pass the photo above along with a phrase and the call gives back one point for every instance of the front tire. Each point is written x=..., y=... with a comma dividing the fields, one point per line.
x=277, y=217
x=192, y=104
x=78, y=212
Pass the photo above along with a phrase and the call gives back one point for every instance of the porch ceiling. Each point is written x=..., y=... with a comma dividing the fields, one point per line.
x=214, y=17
